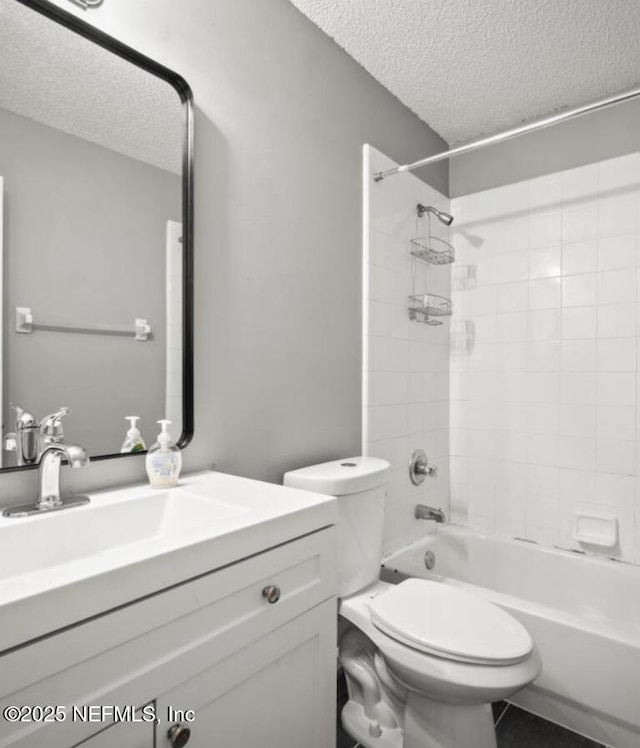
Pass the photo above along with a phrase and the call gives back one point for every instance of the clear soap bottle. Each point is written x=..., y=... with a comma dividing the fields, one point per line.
x=163, y=460
x=133, y=441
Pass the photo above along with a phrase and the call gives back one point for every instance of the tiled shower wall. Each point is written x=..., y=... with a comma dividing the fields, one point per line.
x=406, y=363
x=544, y=364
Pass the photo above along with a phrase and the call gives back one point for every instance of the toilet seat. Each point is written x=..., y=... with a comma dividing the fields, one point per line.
x=442, y=620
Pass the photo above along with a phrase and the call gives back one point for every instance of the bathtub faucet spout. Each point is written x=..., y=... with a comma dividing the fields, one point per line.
x=428, y=512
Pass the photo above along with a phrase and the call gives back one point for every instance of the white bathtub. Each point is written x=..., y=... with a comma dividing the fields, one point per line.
x=582, y=612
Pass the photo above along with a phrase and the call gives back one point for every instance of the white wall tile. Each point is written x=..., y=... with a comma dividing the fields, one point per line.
x=513, y=297
x=387, y=422
x=578, y=420
x=617, y=354
x=579, y=290
x=579, y=257
x=579, y=322
x=577, y=484
x=578, y=387
x=617, y=321
x=377, y=353
x=616, y=422
x=512, y=326
x=543, y=356
x=541, y=418
x=406, y=363
x=510, y=512
x=378, y=319
x=551, y=394
x=545, y=324
x=545, y=263
x=545, y=229
x=545, y=293
x=579, y=356
x=618, y=252
x=511, y=267
x=388, y=388
x=615, y=456
x=579, y=224
x=617, y=287
x=618, y=214
x=578, y=453
x=617, y=389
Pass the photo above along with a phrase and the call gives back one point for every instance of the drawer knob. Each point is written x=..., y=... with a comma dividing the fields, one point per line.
x=178, y=736
x=272, y=593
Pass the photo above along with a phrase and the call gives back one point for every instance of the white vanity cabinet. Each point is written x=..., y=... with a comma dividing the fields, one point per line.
x=121, y=735
x=267, y=694
x=248, y=648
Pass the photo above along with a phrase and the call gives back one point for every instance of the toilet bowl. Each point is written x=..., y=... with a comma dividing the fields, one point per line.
x=450, y=673
x=423, y=660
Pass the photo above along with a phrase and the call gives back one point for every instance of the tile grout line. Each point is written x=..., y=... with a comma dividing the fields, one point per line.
x=502, y=713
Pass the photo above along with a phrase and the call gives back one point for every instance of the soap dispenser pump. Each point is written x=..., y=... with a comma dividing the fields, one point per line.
x=164, y=460
x=133, y=441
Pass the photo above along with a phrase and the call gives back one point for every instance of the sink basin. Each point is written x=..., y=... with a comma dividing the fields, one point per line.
x=64, y=567
x=42, y=542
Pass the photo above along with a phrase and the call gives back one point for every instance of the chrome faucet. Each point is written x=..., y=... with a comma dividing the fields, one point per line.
x=52, y=449
x=50, y=460
x=428, y=512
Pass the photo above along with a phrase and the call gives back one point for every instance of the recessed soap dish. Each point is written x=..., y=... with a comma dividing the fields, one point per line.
x=600, y=530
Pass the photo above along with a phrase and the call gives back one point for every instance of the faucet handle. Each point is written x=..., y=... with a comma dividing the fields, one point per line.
x=51, y=425
x=24, y=419
x=419, y=467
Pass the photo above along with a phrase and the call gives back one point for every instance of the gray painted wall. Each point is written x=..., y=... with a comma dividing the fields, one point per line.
x=84, y=244
x=592, y=137
x=281, y=116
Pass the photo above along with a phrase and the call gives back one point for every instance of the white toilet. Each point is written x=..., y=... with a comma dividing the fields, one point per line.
x=423, y=660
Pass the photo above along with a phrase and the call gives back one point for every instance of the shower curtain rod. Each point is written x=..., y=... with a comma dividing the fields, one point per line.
x=539, y=124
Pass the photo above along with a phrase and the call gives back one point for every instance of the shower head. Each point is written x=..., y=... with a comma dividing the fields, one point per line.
x=443, y=217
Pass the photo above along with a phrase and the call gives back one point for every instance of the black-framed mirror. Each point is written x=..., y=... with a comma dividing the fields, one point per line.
x=96, y=179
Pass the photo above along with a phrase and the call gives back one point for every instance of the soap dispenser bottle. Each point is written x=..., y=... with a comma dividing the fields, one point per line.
x=164, y=460
x=133, y=441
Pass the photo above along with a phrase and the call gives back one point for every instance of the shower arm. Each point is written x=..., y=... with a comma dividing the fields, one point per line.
x=499, y=137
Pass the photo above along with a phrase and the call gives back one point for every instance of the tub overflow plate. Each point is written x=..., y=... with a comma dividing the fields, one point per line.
x=429, y=560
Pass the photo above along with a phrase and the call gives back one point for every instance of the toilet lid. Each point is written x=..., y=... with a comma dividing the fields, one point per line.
x=448, y=622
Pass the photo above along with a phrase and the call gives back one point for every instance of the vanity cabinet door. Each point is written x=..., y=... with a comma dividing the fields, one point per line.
x=277, y=692
x=122, y=735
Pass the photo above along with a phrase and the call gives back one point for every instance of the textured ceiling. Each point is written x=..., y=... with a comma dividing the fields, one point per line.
x=56, y=77
x=473, y=67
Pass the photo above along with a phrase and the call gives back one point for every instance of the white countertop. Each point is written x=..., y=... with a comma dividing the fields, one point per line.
x=249, y=517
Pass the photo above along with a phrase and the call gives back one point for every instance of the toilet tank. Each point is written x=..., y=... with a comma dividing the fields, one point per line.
x=360, y=485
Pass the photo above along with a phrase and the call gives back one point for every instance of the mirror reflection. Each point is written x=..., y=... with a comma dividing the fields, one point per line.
x=91, y=150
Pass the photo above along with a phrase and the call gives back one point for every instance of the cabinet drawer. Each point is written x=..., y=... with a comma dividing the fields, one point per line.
x=129, y=656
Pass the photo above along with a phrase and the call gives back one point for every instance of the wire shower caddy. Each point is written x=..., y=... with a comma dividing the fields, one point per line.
x=433, y=251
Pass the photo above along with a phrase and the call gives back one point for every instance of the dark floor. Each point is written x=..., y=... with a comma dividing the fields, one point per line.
x=515, y=728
